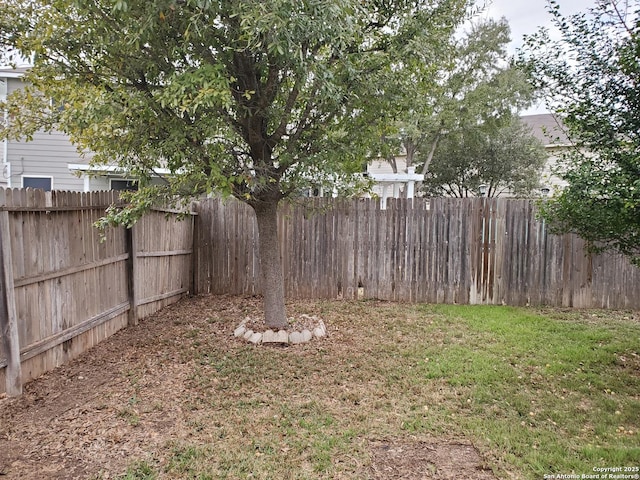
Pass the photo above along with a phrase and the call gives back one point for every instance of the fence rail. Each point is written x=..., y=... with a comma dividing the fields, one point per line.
x=444, y=250
x=64, y=287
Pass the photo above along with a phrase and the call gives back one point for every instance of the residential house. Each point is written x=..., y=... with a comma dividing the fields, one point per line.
x=41, y=163
x=545, y=127
x=50, y=161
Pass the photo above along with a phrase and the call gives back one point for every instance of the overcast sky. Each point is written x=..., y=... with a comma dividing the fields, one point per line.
x=525, y=16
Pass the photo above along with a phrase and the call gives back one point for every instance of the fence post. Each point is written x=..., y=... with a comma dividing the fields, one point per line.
x=132, y=267
x=192, y=263
x=8, y=320
x=195, y=248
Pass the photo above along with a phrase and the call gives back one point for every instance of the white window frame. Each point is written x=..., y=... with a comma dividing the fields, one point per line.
x=6, y=167
x=121, y=180
x=50, y=177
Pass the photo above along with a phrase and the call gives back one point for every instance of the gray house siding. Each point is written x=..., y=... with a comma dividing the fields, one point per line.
x=49, y=160
x=46, y=156
x=99, y=183
x=4, y=170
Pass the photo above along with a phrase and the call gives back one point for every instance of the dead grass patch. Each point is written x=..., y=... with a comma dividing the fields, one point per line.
x=393, y=389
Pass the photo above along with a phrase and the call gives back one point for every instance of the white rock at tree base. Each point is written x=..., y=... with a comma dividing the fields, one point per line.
x=282, y=336
x=295, y=337
x=306, y=335
x=269, y=337
x=255, y=338
x=275, y=337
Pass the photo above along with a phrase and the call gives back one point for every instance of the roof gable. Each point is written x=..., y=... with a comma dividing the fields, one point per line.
x=547, y=128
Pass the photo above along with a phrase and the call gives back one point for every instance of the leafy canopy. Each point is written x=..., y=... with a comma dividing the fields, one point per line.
x=470, y=80
x=590, y=77
x=505, y=158
x=256, y=99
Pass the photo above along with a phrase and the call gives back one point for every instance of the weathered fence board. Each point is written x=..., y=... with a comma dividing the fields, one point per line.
x=442, y=250
x=10, y=346
x=163, y=249
x=63, y=290
x=72, y=286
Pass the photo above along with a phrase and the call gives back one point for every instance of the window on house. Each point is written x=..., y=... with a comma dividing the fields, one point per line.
x=37, y=182
x=124, y=184
x=313, y=192
x=60, y=106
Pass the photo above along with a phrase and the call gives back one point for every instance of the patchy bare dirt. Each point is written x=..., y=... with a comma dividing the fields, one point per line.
x=80, y=418
x=134, y=394
x=397, y=459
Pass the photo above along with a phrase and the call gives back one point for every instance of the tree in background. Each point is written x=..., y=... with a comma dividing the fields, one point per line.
x=502, y=158
x=590, y=78
x=254, y=99
x=468, y=81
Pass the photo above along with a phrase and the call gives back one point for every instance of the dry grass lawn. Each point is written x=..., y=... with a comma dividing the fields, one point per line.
x=395, y=391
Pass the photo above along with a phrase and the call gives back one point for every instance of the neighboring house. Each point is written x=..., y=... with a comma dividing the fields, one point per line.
x=548, y=129
x=50, y=161
x=41, y=163
x=545, y=127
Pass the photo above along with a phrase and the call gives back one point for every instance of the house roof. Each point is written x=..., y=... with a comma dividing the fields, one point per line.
x=9, y=72
x=107, y=169
x=547, y=128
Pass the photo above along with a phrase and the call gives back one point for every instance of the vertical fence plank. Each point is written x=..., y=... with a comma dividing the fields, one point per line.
x=132, y=271
x=8, y=318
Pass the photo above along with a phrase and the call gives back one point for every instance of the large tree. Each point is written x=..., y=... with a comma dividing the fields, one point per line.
x=505, y=157
x=590, y=77
x=468, y=81
x=256, y=99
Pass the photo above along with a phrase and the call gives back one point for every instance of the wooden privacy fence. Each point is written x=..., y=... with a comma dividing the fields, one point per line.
x=444, y=250
x=63, y=288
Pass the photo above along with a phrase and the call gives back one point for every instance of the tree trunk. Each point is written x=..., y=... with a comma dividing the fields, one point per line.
x=432, y=151
x=391, y=159
x=270, y=265
x=427, y=161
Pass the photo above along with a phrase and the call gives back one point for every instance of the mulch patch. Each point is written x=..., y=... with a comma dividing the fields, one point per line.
x=79, y=420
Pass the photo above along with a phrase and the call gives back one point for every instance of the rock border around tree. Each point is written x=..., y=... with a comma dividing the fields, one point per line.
x=302, y=330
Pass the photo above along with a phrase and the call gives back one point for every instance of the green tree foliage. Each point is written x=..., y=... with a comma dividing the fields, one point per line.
x=469, y=80
x=590, y=77
x=505, y=159
x=255, y=99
